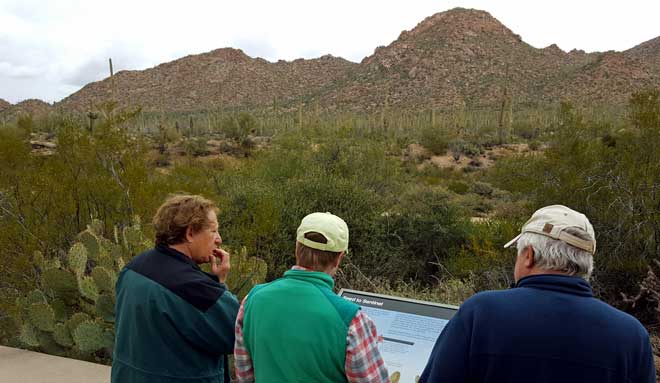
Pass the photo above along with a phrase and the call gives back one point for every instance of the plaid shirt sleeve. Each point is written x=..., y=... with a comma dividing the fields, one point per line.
x=364, y=363
x=242, y=360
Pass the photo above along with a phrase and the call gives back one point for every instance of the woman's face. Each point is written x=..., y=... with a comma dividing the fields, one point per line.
x=204, y=241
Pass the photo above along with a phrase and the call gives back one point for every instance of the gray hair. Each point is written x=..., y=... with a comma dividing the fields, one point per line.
x=555, y=255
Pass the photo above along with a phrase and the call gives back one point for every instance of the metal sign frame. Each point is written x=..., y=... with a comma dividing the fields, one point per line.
x=402, y=299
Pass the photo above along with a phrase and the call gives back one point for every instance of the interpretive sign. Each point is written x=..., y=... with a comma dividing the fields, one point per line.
x=409, y=329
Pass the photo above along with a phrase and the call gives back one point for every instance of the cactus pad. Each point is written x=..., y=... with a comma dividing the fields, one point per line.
x=91, y=243
x=77, y=258
x=105, y=307
x=96, y=227
x=105, y=279
x=75, y=320
x=38, y=259
x=88, y=288
x=89, y=336
x=60, y=283
x=28, y=335
x=62, y=335
x=42, y=316
x=36, y=296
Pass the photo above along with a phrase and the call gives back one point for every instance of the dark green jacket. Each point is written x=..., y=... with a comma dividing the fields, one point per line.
x=174, y=322
x=295, y=329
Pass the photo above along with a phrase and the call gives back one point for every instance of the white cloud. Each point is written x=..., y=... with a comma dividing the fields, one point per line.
x=49, y=49
x=19, y=71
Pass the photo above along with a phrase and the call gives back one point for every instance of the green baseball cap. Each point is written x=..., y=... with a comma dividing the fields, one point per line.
x=333, y=228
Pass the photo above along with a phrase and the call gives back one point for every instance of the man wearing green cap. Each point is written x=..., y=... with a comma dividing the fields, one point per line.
x=549, y=327
x=296, y=329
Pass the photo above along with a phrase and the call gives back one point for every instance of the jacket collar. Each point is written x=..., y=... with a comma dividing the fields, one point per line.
x=560, y=283
x=315, y=277
x=176, y=254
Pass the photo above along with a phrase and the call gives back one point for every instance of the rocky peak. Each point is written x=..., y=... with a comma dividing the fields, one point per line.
x=554, y=49
x=648, y=52
x=462, y=23
x=34, y=104
x=457, y=32
x=650, y=48
x=32, y=107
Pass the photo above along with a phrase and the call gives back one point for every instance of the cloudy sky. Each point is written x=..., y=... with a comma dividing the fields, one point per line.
x=51, y=48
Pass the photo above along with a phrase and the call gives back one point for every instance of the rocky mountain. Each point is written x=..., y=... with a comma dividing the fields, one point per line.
x=221, y=78
x=32, y=106
x=466, y=57
x=457, y=58
x=4, y=104
x=648, y=53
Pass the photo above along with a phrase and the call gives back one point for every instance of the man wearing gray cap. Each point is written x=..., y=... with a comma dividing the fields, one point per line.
x=549, y=327
x=296, y=329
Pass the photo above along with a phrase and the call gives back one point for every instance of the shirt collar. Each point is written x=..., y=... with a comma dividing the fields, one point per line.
x=315, y=277
x=560, y=283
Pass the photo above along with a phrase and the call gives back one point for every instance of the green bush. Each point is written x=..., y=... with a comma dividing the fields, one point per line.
x=196, y=147
x=483, y=189
x=434, y=139
x=612, y=184
x=458, y=187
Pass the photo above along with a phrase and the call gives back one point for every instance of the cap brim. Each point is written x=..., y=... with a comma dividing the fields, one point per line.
x=513, y=241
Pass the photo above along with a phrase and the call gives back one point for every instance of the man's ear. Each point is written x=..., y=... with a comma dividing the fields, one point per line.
x=529, y=257
x=339, y=258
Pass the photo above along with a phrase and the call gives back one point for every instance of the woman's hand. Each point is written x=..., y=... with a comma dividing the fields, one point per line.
x=220, y=264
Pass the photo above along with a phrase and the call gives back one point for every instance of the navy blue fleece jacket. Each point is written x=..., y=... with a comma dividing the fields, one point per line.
x=549, y=328
x=174, y=322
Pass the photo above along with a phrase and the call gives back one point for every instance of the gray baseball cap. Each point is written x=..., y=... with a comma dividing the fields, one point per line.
x=552, y=221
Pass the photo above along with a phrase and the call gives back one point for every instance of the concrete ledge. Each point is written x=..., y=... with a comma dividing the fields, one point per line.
x=32, y=367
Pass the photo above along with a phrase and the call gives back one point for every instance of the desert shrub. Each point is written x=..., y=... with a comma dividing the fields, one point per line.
x=614, y=185
x=481, y=188
x=525, y=130
x=264, y=198
x=458, y=187
x=646, y=303
x=25, y=123
x=435, y=139
x=425, y=227
x=482, y=255
x=238, y=126
x=473, y=205
x=460, y=147
x=196, y=147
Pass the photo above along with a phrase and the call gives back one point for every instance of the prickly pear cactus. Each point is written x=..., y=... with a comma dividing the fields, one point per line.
x=73, y=311
x=90, y=336
x=77, y=259
x=42, y=316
